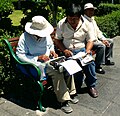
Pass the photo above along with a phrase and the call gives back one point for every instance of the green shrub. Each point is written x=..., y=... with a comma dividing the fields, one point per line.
x=6, y=7
x=104, y=9
x=36, y=9
x=110, y=24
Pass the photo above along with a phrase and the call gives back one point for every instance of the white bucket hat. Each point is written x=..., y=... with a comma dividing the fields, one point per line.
x=89, y=5
x=39, y=26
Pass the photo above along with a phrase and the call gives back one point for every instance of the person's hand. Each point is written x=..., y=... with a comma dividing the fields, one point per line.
x=88, y=51
x=106, y=43
x=67, y=53
x=43, y=58
x=53, y=54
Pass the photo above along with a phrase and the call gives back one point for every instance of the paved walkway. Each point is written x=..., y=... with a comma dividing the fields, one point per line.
x=107, y=104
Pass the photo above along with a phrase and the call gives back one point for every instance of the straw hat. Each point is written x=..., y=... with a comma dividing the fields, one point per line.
x=39, y=26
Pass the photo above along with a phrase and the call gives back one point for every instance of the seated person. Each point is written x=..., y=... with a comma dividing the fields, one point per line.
x=71, y=34
x=102, y=45
x=36, y=46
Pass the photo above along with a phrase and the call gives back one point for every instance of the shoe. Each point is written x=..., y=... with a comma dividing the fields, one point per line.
x=93, y=92
x=65, y=107
x=99, y=70
x=74, y=100
x=108, y=62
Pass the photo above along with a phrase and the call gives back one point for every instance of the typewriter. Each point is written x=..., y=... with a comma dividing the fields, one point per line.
x=56, y=63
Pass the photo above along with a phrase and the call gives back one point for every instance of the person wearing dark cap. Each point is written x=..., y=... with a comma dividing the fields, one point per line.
x=102, y=45
x=36, y=46
x=70, y=38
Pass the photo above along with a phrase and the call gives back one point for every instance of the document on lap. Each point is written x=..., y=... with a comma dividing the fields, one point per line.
x=71, y=66
x=84, y=58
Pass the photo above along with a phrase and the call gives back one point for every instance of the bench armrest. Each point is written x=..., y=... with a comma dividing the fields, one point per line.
x=28, y=69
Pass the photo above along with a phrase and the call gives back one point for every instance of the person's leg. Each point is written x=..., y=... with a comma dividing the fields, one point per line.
x=78, y=78
x=61, y=89
x=100, y=53
x=90, y=73
x=91, y=79
x=72, y=90
x=109, y=53
x=99, y=48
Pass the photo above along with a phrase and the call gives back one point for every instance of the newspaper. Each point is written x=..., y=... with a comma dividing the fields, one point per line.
x=84, y=58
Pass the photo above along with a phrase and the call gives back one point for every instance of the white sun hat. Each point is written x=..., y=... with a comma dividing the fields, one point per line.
x=39, y=26
x=89, y=5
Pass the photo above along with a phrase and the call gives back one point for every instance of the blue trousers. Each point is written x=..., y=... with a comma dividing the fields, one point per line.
x=88, y=70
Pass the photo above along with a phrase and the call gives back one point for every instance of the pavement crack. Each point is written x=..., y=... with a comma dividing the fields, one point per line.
x=107, y=108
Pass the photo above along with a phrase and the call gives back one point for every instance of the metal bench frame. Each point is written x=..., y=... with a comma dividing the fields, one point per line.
x=28, y=69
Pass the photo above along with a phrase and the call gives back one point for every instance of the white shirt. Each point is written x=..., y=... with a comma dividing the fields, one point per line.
x=98, y=34
x=74, y=39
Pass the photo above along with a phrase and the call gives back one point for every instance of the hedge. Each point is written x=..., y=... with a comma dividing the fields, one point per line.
x=110, y=24
x=104, y=9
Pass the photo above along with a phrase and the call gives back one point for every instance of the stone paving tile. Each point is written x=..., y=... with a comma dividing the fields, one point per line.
x=112, y=110
x=4, y=113
x=116, y=100
x=15, y=110
x=109, y=90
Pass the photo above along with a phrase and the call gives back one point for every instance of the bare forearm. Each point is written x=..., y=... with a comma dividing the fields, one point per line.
x=59, y=45
x=89, y=46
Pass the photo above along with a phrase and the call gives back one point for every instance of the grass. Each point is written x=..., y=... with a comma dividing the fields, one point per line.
x=16, y=17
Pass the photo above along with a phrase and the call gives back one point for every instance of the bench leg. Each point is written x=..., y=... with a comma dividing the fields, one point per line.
x=40, y=98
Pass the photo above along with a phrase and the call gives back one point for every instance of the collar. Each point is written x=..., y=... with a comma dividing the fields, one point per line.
x=88, y=18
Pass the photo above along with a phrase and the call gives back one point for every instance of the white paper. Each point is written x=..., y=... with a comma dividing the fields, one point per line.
x=83, y=57
x=79, y=55
x=88, y=59
x=71, y=66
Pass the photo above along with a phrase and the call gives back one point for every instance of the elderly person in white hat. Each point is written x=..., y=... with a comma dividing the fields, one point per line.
x=36, y=46
x=102, y=45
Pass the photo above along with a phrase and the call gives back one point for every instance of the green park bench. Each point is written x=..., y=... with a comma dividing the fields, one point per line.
x=13, y=66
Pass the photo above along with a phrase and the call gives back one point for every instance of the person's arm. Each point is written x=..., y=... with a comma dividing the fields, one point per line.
x=89, y=46
x=51, y=51
x=58, y=40
x=59, y=44
x=98, y=32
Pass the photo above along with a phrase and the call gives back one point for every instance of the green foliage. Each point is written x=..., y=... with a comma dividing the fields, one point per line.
x=6, y=7
x=33, y=9
x=104, y=9
x=5, y=24
x=110, y=24
x=60, y=14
